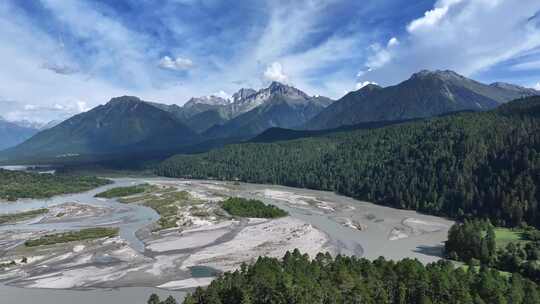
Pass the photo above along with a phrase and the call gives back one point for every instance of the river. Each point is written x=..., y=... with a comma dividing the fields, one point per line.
x=384, y=231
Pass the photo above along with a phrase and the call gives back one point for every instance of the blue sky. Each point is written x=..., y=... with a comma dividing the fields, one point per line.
x=60, y=57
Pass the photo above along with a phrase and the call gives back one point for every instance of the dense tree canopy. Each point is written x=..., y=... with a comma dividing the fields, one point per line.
x=464, y=165
x=476, y=242
x=242, y=207
x=17, y=184
x=297, y=279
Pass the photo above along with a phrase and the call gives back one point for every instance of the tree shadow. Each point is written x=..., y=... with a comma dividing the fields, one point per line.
x=437, y=250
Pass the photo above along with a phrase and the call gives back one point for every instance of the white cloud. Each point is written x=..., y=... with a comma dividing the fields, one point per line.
x=113, y=45
x=526, y=66
x=362, y=84
x=119, y=60
x=468, y=36
x=392, y=42
x=537, y=86
x=363, y=72
x=432, y=17
x=222, y=94
x=16, y=111
x=59, y=68
x=379, y=57
x=30, y=107
x=177, y=64
x=274, y=72
x=82, y=106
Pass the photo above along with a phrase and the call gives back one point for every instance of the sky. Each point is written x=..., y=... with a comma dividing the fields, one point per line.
x=62, y=57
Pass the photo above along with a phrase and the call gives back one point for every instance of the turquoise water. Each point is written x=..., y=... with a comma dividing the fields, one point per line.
x=203, y=272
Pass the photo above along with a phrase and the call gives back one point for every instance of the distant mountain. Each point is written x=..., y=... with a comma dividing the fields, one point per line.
x=124, y=125
x=50, y=124
x=28, y=124
x=202, y=104
x=246, y=100
x=279, y=105
x=425, y=94
x=205, y=120
x=36, y=125
x=200, y=113
x=248, y=112
x=512, y=90
x=12, y=134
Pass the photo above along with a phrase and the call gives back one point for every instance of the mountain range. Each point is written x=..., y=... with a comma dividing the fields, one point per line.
x=424, y=94
x=278, y=105
x=128, y=125
x=12, y=134
x=124, y=125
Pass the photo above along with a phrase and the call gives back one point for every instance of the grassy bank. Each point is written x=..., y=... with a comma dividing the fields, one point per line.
x=71, y=236
x=165, y=201
x=124, y=191
x=21, y=216
x=504, y=236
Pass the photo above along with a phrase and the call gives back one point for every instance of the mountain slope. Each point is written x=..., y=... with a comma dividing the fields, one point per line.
x=12, y=134
x=425, y=94
x=200, y=113
x=124, y=125
x=203, y=121
x=461, y=165
x=278, y=105
x=202, y=104
x=281, y=134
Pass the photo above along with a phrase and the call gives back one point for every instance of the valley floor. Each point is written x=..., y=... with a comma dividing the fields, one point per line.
x=206, y=240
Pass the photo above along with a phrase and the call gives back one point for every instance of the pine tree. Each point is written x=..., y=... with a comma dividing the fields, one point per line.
x=154, y=299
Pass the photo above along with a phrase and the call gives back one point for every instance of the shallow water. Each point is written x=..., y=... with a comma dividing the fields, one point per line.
x=203, y=272
x=128, y=217
x=378, y=221
x=128, y=295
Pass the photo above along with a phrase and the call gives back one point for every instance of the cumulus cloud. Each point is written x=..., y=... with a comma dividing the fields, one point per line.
x=222, y=94
x=177, y=64
x=82, y=106
x=537, y=86
x=363, y=72
x=362, y=84
x=380, y=56
x=432, y=17
x=468, y=36
x=274, y=72
x=392, y=42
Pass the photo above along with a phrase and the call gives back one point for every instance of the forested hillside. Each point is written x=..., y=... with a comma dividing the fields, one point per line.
x=463, y=165
x=297, y=279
